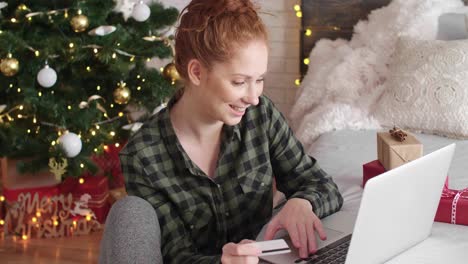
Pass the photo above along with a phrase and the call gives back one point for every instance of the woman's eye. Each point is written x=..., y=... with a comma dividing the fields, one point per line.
x=237, y=83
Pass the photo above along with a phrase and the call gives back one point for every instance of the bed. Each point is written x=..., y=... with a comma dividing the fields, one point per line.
x=336, y=121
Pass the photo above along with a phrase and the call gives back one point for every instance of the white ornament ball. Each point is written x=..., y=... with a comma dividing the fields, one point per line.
x=141, y=12
x=47, y=77
x=71, y=144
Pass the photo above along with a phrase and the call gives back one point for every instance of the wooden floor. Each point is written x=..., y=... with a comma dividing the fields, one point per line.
x=77, y=249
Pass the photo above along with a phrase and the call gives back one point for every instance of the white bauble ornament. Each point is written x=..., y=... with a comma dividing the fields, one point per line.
x=71, y=144
x=47, y=77
x=141, y=12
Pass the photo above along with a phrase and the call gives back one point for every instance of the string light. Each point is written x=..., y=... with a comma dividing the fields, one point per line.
x=56, y=223
x=114, y=55
x=21, y=107
x=13, y=20
x=98, y=127
x=88, y=218
x=2, y=198
x=34, y=219
x=39, y=94
x=117, y=145
x=299, y=14
x=297, y=8
x=106, y=148
x=24, y=237
x=138, y=76
x=69, y=107
x=34, y=120
x=132, y=58
x=138, y=88
x=148, y=59
x=37, y=53
x=111, y=105
x=161, y=69
x=11, y=85
x=112, y=133
x=29, y=18
x=298, y=82
x=308, y=32
x=82, y=165
x=53, y=143
x=306, y=61
x=98, y=87
x=93, y=133
x=118, y=44
x=121, y=114
x=2, y=222
x=38, y=214
x=81, y=180
x=79, y=12
x=95, y=50
x=143, y=80
x=65, y=15
x=95, y=150
x=88, y=68
x=19, y=90
x=71, y=45
x=29, y=131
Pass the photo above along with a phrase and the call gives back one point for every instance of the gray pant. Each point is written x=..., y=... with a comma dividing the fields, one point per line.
x=132, y=233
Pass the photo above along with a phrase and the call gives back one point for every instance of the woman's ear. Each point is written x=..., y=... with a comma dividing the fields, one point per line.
x=194, y=70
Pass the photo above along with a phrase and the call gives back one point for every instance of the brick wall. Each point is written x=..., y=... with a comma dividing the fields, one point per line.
x=284, y=28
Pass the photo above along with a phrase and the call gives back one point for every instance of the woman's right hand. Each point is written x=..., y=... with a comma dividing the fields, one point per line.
x=242, y=253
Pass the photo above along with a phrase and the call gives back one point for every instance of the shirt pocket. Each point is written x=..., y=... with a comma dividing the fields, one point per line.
x=198, y=220
x=257, y=180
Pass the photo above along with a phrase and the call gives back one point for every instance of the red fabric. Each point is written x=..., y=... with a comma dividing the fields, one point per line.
x=371, y=170
x=444, y=211
x=11, y=195
x=97, y=187
x=109, y=163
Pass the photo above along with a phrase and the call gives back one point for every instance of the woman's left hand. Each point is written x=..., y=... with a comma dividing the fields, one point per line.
x=298, y=218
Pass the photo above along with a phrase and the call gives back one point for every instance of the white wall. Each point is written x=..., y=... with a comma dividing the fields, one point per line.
x=284, y=28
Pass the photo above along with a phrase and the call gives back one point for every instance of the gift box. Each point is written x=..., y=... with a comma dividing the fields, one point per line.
x=375, y=168
x=12, y=179
x=89, y=193
x=393, y=153
x=453, y=207
x=371, y=170
x=109, y=165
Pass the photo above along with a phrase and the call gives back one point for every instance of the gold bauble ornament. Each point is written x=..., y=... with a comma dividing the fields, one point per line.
x=122, y=94
x=9, y=66
x=170, y=73
x=79, y=23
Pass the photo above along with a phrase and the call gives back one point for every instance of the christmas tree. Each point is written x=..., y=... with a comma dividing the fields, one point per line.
x=74, y=77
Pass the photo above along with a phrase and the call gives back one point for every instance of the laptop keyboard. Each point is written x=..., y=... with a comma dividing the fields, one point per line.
x=331, y=254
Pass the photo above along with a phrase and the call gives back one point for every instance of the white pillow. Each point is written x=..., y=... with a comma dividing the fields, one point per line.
x=427, y=90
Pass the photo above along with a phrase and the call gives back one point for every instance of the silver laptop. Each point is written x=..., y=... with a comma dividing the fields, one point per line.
x=397, y=211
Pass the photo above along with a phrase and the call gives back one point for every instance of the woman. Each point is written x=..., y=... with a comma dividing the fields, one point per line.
x=206, y=162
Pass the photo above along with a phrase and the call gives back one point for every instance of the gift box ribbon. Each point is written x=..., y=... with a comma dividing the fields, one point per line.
x=456, y=195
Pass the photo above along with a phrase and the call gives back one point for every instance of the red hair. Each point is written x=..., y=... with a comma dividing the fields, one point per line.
x=211, y=30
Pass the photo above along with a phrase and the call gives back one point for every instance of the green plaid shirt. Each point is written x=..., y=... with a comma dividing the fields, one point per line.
x=199, y=215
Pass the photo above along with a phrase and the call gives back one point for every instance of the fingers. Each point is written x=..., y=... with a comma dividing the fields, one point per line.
x=320, y=230
x=311, y=238
x=247, y=249
x=246, y=241
x=272, y=228
x=304, y=239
